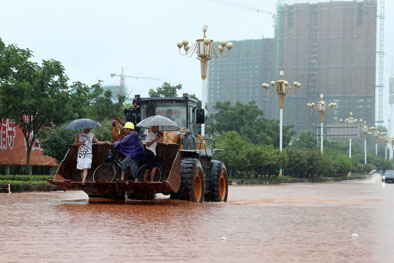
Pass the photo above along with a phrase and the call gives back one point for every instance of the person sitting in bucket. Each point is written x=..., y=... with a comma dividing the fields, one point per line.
x=84, y=142
x=131, y=146
x=150, y=153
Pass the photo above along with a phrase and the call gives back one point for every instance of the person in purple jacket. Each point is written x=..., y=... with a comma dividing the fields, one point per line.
x=132, y=147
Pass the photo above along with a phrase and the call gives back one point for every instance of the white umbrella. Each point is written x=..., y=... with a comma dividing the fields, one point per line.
x=164, y=123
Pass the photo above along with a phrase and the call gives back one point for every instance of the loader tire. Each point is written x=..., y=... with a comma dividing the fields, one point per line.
x=218, y=183
x=192, y=181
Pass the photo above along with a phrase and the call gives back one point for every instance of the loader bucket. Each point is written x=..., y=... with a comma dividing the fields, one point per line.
x=69, y=178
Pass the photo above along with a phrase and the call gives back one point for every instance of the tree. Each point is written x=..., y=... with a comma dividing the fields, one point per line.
x=79, y=104
x=380, y=163
x=243, y=158
x=233, y=154
x=56, y=141
x=14, y=63
x=32, y=95
x=166, y=90
x=101, y=105
x=247, y=120
x=93, y=102
x=306, y=140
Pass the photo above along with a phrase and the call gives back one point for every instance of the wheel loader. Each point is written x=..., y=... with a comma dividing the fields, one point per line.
x=188, y=171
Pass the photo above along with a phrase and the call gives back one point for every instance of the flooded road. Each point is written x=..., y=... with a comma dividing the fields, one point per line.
x=328, y=222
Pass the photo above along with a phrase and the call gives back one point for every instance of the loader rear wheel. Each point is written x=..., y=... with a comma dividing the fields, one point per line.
x=192, y=181
x=218, y=183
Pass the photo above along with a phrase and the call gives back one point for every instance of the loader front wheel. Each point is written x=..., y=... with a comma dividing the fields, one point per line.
x=218, y=183
x=192, y=181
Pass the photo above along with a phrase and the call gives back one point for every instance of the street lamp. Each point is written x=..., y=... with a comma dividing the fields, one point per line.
x=392, y=147
x=364, y=130
x=386, y=140
x=350, y=120
x=281, y=87
x=321, y=106
x=376, y=134
x=382, y=137
x=204, y=48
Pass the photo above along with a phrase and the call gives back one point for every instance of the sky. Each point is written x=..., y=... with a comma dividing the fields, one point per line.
x=94, y=38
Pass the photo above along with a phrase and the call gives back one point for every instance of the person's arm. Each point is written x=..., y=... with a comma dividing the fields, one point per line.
x=156, y=139
x=118, y=144
x=76, y=141
x=99, y=142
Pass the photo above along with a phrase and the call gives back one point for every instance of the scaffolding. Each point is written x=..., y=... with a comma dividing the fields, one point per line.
x=327, y=46
x=293, y=2
x=380, y=53
x=238, y=77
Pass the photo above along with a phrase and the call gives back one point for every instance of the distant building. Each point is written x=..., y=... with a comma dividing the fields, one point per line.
x=329, y=47
x=391, y=103
x=238, y=77
x=115, y=89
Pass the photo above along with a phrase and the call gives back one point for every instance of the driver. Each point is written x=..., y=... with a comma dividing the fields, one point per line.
x=169, y=114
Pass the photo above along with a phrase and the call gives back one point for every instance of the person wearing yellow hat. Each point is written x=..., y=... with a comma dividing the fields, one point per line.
x=131, y=146
x=129, y=125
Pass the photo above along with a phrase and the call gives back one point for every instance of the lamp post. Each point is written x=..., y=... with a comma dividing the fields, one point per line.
x=204, y=49
x=364, y=130
x=321, y=106
x=350, y=120
x=281, y=87
x=392, y=147
x=387, y=144
x=382, y=137
x=386, y=140
x=376, y=134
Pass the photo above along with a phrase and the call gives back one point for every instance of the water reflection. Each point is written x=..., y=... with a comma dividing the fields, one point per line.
x=270, y=223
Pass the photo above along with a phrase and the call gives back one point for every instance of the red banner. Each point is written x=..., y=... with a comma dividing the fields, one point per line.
x=13, y=147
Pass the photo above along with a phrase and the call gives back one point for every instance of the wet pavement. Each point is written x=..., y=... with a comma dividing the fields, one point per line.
x=350, y=221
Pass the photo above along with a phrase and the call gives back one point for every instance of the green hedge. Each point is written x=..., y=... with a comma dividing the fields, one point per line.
x=27, y=187
x=26, y=183
x=30, y=178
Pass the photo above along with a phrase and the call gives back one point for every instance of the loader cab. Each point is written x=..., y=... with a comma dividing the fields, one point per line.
x=182, y=110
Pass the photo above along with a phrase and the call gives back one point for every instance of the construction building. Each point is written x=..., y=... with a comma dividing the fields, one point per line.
x=391, y=103
x=238, y=77
x=327, y=46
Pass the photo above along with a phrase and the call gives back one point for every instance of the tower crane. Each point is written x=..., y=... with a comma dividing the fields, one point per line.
x=260, y=11
x=242, y=6
x=122, y=77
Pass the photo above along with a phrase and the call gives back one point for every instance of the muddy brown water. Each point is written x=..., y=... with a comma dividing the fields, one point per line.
x=326, y=222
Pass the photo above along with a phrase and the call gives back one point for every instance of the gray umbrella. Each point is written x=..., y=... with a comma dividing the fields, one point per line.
x=82, y=124
x=164, y=123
